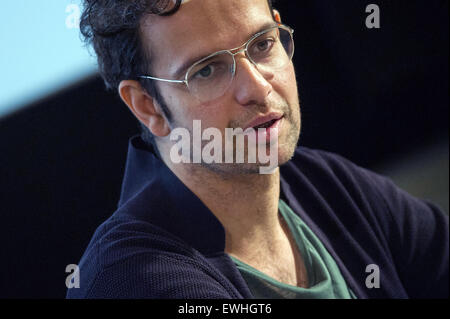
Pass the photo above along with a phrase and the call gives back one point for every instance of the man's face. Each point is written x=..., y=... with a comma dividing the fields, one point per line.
x=202, y=27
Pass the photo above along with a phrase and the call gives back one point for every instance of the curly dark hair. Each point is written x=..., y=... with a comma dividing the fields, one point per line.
x=112, y=28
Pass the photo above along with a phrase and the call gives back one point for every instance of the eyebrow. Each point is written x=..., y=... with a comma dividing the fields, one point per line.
x=183, y=68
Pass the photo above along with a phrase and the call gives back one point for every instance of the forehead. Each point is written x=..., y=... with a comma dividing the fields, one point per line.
x=199, y=28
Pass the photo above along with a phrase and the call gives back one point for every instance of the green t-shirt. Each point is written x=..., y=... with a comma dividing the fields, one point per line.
x=324, y=277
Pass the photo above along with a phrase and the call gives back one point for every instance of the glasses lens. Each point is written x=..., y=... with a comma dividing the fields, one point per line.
x=210, y=78
x=272, y=50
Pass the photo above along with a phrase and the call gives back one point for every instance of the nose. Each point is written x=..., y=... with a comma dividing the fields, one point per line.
x=250, y=85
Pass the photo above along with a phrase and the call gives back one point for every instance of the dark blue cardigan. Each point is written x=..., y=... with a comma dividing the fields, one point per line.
x=163, y=242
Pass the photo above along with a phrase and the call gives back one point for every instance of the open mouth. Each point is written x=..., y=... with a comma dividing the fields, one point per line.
x=267, y=124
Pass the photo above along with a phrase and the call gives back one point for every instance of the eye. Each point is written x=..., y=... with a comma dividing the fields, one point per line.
x=212, y=70
x=204, y=73
x=264, y=45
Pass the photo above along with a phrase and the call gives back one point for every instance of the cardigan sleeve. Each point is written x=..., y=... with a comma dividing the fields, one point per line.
x=149, y=276
x=419, y=241
x=417, y=232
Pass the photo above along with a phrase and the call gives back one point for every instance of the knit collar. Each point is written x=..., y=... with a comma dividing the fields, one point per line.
x=153, y=193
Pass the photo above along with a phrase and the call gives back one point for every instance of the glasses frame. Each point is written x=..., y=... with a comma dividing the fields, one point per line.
x=242, y=48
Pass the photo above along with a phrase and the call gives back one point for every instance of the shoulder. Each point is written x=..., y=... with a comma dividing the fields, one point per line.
x=338, y=171
x=334, y=188
x=129, y=258
x=378, y=215
x=327, y=162
x=337, y=179
x=331, y=172
x=328, y=170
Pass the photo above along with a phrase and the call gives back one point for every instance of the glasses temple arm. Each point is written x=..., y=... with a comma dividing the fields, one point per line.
x=163, y=80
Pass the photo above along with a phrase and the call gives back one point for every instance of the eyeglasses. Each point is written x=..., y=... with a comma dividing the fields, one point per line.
x=269, y=50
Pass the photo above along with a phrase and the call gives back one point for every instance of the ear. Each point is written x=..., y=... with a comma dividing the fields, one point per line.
x=144, y=107
x=277, y=15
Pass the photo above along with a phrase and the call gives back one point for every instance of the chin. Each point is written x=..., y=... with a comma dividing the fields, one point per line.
x=286, y=155
x=287, y=151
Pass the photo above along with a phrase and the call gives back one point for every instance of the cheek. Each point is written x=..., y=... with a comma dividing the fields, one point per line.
x=286, y=83
x=178, y=103
x=213, y=114
x=185, y=109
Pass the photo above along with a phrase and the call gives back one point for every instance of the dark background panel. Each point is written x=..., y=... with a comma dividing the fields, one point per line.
x=61, y=169
x=370, y=95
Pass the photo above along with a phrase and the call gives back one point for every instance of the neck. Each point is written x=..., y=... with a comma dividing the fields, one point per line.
x=245, y=204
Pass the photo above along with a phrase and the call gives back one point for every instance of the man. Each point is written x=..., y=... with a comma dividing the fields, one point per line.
x=215, y=229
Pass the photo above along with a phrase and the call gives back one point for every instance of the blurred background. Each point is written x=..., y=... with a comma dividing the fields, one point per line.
x=376, y=96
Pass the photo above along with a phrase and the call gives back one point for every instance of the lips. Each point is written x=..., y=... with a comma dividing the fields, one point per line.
x=264, y=121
